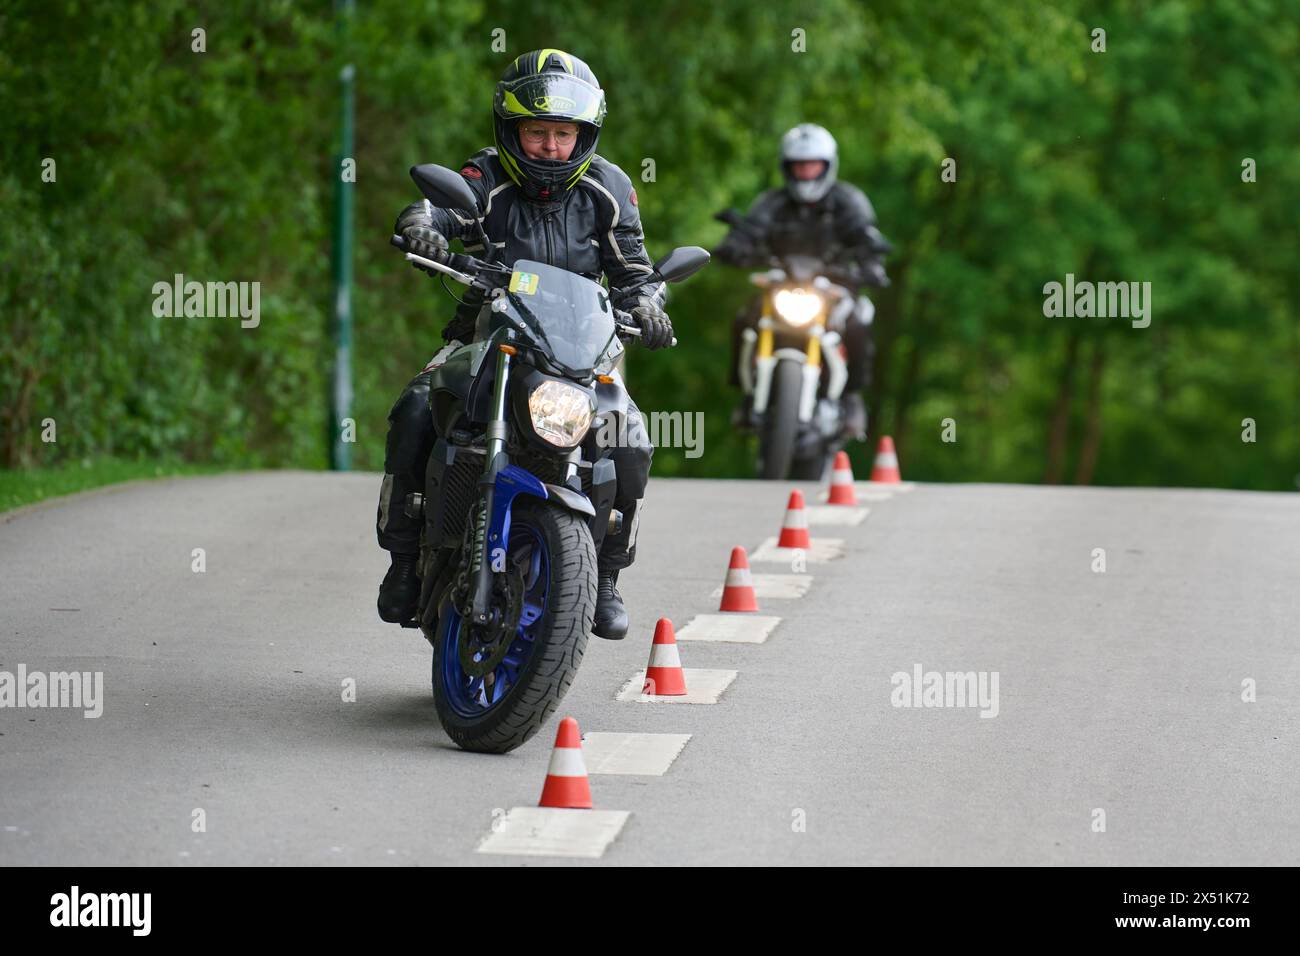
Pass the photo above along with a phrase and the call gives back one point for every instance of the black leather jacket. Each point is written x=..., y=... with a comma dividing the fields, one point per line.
x=595, y=229
x=840, y=229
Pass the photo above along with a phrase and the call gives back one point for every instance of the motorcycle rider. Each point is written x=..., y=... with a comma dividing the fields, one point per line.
x=545, y=195
x=814, y=214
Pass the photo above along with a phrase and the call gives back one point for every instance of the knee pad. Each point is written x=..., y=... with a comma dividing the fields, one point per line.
x=632, y=466
x=410, y=428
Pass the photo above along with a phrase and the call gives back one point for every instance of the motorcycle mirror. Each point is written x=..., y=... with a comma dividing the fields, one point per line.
x=444, y=188
x=682, y=263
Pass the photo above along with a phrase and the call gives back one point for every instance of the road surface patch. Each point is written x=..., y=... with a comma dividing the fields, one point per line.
x=836, y=514
x=864, y=493
x=819, y=550
x=740, y=628
x=866, y=487
x=784, y=586
x=545, y=831
x=643, y=754
x=702, y=687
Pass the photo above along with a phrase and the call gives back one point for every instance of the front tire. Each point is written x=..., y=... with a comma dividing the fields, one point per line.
x=553, y=552
x=780, y=421
x=809, y=469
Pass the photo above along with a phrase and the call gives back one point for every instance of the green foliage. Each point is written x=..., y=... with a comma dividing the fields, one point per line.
x=18, y=488
x=1123, y=165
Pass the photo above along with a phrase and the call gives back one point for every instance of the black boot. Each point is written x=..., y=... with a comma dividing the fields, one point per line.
x=400, y=592
x=855, y=415
x=611, y=617
x=742, y=416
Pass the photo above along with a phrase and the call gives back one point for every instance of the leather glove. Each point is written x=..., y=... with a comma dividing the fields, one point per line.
x=656, y=328
x=875, y=275
x=415, y=225
x=869, y=239
x=426, y=241
x=740, y=252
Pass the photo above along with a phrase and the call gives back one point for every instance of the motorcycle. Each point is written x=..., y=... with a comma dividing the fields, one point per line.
x=519, y=492
x=794, y=365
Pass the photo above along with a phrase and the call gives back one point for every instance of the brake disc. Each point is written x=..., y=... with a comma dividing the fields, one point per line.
x=481, y=647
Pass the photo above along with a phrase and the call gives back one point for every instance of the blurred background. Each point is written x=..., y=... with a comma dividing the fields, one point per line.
x=1123, y=165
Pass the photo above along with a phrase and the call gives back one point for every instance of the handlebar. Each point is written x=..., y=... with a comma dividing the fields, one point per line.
x=464, y=269
x=459, y=268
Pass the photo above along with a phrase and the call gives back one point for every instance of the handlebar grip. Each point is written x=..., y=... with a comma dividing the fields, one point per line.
x=634, y=331
x=454, y=260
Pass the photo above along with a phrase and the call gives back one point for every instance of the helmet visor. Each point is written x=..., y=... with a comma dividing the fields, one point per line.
x=550, y=96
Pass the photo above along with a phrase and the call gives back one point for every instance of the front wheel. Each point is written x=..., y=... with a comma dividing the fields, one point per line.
x=493, y=693
x=780, y=421
x=810, y=469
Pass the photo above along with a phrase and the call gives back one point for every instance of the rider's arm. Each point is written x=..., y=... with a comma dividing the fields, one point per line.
x=451, y=223
x=855, y=225
x=862, y=246
x=623, y=258
x=745, y=245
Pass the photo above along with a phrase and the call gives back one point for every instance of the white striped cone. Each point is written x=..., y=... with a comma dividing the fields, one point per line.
x=886, y=464
x=841, y=492
x=738, y=589
x=663, y=674
x=794, y=532
x=566, y=778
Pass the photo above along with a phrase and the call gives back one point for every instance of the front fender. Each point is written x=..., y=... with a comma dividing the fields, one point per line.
x=512, y=481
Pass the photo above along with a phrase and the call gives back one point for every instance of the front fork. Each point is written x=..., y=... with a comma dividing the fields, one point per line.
x=766, y=357
x=483, y=557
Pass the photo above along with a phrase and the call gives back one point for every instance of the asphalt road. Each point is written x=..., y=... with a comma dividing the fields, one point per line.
x=1119, y=691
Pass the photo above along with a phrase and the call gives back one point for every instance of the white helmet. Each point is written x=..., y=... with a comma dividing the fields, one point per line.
x=809, y=141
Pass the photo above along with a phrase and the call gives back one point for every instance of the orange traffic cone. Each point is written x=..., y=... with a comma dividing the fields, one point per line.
x=886, y=465
x=566, y=778
x=738, y=590
x=663, y=674
x=794, y=531
x=841, y=492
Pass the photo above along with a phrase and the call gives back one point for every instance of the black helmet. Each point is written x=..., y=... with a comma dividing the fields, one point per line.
x=548, y=85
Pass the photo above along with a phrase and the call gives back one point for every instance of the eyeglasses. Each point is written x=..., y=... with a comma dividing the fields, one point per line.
x=535, y=134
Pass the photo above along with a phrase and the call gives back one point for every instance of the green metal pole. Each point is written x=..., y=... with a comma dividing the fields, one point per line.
x=341, y=388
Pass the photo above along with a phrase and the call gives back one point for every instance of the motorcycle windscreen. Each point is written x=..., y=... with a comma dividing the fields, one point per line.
x=568, y=316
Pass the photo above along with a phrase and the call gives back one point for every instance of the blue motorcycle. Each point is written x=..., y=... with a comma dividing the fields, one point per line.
x=519, y=491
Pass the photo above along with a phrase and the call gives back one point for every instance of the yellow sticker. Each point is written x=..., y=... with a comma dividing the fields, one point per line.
x=525, y=282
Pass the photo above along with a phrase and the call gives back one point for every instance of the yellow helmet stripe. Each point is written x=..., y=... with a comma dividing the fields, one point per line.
x=513, y=105
x=578, y=175
x=512, y=169
x=544, y=55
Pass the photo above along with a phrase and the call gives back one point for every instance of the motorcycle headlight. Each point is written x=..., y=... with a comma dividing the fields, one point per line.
x=560, y=412
x=797, y=306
